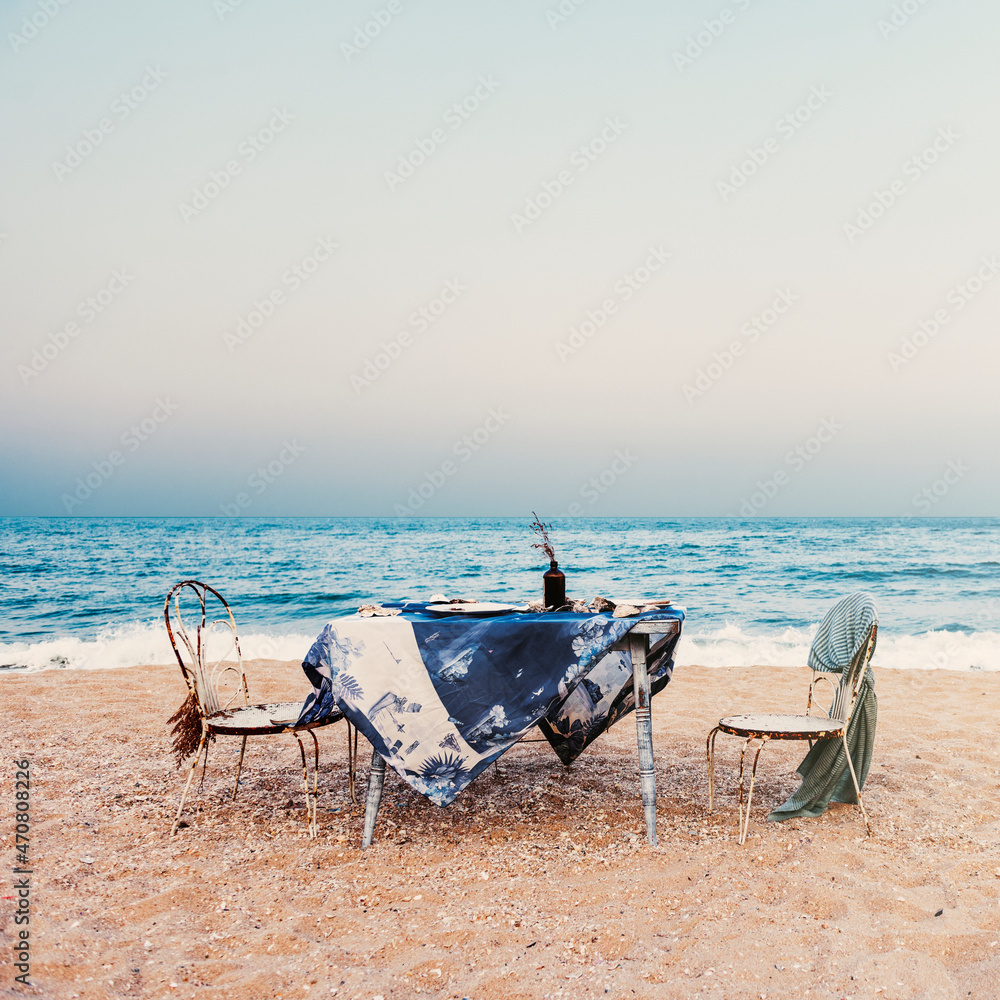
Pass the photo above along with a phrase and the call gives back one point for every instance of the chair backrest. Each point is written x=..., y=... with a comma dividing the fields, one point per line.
x=844, y=644
x=203, y=642
x=850, y=685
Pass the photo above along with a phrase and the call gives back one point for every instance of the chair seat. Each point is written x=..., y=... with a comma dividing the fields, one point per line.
x=782, y=727
x=264, y=720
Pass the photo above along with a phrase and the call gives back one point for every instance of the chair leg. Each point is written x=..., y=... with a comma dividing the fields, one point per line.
x=753, y=775
x=305, y=782
x=239, y=767
x=857, y=790
x=315, y=827
x=204, y=767
x=187, y=784
x=742, y=756
x=710, y=754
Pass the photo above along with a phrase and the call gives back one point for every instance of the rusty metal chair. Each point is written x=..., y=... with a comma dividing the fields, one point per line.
x=844, y=644
x=206, y=712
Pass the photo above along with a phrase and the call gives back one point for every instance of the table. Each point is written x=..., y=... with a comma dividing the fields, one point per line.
x=441, y=697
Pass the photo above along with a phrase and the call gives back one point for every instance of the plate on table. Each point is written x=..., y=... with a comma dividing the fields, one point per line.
x=481, y=608
x=645, y=602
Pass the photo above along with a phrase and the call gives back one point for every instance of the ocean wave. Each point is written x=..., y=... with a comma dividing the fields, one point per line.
x=942, y=649
x=134, y=645
x=728, y=646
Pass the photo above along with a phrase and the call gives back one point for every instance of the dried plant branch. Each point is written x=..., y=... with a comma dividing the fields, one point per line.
x=542, y=531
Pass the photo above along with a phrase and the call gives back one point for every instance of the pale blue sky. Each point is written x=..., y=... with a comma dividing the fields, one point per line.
x=608, y=427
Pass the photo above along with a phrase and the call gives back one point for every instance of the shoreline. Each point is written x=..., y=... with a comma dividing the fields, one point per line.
x=948, y=658
x=537, y=879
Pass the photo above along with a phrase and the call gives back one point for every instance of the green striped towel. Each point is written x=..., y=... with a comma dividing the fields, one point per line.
x=841, y=643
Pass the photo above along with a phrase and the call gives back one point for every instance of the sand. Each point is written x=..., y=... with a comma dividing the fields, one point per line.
x=536, y=883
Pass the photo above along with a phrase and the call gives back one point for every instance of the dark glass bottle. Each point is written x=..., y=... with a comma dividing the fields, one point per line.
x=554, y=586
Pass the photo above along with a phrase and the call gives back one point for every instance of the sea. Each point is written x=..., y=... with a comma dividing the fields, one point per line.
x=86, y=593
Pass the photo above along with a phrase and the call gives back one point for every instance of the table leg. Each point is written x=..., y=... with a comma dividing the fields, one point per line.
x=638, y=645
x=375, y=782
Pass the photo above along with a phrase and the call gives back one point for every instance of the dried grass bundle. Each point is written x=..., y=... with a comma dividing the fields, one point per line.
x=187, y=729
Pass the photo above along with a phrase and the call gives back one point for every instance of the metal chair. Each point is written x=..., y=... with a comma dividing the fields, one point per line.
x=847, y=633
x=204, y=715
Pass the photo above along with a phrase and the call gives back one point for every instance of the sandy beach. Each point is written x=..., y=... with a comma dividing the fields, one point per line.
x=536, y=883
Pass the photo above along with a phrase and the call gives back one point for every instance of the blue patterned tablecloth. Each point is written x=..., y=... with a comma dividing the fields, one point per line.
x=442, y=696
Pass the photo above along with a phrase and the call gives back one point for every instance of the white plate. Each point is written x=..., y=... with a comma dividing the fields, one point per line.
x=644, y=603
x=475, y=608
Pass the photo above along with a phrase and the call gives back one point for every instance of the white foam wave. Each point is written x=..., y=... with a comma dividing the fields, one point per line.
x=131, y=645
x=730, y=646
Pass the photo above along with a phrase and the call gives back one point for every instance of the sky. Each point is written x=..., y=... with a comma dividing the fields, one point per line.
x=420, y=258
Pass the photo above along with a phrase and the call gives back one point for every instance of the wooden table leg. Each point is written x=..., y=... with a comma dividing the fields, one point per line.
x=638, y=645
x=375, y=782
